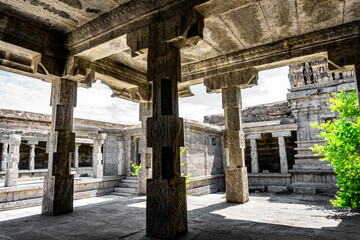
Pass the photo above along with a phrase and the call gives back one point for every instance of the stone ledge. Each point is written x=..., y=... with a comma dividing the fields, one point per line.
x=270, y=175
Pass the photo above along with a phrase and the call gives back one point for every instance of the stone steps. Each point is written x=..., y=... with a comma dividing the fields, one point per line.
x=127, y=187
x=313, y=187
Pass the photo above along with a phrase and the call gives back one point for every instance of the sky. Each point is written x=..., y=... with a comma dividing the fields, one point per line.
x=33, y=95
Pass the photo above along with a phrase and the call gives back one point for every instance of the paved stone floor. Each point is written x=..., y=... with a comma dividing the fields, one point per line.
x=265, y=216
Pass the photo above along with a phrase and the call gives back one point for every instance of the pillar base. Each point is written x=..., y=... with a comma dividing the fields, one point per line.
x=166, y=209
x=58, y=195
x=11, y=177
x=98, y=172
x=237, y=190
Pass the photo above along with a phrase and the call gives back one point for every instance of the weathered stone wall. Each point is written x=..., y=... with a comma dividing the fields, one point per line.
x=111, y=156
x=203, y=157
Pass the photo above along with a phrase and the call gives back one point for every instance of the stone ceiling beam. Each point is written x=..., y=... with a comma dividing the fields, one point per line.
x=126, y=18
x=306, y=47
x=25, y=35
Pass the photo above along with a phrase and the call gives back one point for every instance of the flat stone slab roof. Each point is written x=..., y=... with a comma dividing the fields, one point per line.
x=265, y=216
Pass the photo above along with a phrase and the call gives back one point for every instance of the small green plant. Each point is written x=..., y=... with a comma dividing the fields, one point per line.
x=342, y=147
x=187, y=176
x=136, y=169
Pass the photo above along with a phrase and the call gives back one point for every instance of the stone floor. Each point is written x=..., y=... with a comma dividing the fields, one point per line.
x=265, y=216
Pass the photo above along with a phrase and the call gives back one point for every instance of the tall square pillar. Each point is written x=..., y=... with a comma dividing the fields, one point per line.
x=13, y=157
x=97, y=156
x=4, y=154
x=230, y=84
x=145, y=152
x=59, y=183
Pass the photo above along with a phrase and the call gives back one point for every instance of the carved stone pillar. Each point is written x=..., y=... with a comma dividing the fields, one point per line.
x=145, y=152
x=230, y=85
x=166, y=211
x=121, y=168
x=282, y=150
x=76, y=155
x=254, y=152
x=4, y=154
x=32, y=144
x=98, y=164
x=59, y=183
x=12, y=168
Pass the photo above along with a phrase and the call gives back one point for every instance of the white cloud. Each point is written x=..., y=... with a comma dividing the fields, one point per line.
x=27, y=94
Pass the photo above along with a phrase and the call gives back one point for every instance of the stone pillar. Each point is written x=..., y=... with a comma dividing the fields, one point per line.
x=236, y=173
x=282, y=150
x=166, y=209
x=230, y=85
x=98, y=164
x=59, y=183
x=254, y=152
x=76, y=155
x=4, y=154
x=12, y=169
x=357, y=81
x=32, y=144
x=145, y=152
x=121, y=170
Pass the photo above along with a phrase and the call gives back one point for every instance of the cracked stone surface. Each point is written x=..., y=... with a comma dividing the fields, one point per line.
x=265, y=216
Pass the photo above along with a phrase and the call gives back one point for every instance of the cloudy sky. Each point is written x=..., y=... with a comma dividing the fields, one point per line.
x=27, y=94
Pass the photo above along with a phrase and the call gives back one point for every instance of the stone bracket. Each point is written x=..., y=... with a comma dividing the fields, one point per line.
x=242, y=78
x=281, y=134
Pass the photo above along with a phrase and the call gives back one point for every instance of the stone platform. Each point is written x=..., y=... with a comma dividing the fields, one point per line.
x=29, y=192
x=265, y=216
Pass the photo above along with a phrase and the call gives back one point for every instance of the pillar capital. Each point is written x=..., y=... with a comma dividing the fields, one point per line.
x=281, y=134
x=97, y=136
x=253, y=136
x=33, y=142
x=242, y=78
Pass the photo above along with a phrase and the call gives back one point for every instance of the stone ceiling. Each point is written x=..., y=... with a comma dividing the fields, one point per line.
x=234, y=32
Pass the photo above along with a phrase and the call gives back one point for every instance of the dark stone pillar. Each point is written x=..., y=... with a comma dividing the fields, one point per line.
x=166, y=209
x=59, y=184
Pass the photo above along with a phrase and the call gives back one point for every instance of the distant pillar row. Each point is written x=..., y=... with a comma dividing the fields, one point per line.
x=97, y=156
x=13, y=157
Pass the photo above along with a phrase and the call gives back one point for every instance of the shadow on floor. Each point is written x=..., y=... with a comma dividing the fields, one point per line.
x=264, y=217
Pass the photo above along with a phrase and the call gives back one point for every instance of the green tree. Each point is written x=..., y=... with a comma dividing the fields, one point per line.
x=342, y=148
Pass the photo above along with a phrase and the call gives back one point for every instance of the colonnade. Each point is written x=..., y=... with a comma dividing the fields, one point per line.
x=284, y=168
